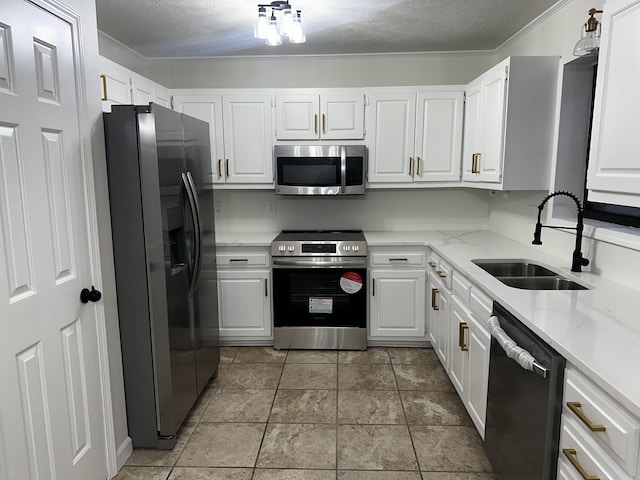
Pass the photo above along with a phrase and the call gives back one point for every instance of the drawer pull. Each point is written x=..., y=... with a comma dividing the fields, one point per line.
x=441, y=274
x=399, y=259
x=432, y=264
x=570, y=453
x=238, y=260
x=434, y=292
x=575, y=407
x=461, y=344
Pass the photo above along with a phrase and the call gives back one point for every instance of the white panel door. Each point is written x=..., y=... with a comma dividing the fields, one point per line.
x=472, y=129
x=297, y=117
x=459, y=347
x=392, y=126
x=51, y=420
x=438, y=145
x=397, y=303
x=342, y=116
x=244, y=303
x=116, y=84
x=142, y=90
x=493, y=119
x=209, y=109
x=615, y=143
x=248, y=138
x=479, y=355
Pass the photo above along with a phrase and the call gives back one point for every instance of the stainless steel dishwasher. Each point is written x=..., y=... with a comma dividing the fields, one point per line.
x=524, y=401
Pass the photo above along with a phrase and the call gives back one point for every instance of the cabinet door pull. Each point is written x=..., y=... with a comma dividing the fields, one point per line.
x=434, y=292
x=104, y=87
x=219, y=167
x=315, y=123
x=418, y=171
x=323, y=124
x=226, y=167
x=398, y=259
x=575, y=407
x=266, y=287
x=238, y=260
x=462, y=327
x=570, y=453
x=432, y=264
x=410, y=166
x=373, y=287
x=441, y=274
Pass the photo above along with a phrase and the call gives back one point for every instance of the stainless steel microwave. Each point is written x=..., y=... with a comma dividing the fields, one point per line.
x=320, y=169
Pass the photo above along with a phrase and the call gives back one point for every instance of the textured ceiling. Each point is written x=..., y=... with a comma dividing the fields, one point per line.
x=198, y=28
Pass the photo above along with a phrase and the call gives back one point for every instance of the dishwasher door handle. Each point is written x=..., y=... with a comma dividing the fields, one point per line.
x=513, y=351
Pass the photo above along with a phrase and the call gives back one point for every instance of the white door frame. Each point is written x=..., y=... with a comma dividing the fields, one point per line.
x=73, y=19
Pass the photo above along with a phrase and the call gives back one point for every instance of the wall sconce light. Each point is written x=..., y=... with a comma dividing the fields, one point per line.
x=589, y=42
x=283, y=22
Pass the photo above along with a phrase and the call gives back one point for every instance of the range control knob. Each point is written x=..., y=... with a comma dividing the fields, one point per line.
x=282, y=248
x=346, y=248
x=356, y=248
x=291, y=248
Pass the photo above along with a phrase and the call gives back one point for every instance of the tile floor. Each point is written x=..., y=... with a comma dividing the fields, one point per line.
x=383, y=414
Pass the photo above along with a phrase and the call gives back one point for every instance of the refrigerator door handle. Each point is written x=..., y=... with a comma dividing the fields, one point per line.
x=197, y=204
x=193, y=207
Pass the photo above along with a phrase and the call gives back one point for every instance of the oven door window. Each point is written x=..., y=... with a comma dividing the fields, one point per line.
x=320, y=297
x=309, y=171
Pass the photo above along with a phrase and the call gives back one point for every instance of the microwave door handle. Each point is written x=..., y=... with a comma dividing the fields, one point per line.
x=343, y=170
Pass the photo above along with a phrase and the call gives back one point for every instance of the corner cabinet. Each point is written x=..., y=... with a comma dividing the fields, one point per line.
x=241, y=131
x=614, y=170
x=313, y=117
x=397, y=295
x=415, y=137
x=509, y=118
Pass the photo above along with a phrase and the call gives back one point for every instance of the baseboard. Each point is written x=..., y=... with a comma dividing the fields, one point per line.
x=124, y=452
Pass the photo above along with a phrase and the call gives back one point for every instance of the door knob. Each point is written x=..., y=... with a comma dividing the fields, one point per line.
x=92, y=295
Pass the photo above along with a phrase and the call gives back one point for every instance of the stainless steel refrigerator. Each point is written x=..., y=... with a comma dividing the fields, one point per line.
x=162, y=222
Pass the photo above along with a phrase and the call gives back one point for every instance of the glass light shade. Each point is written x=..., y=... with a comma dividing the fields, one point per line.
x=273, y=35
x=260, y=27
x=297, y=34
x=589, y=42
x=286, y=21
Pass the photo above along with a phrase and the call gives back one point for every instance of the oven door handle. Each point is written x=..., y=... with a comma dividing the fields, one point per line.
x=319, y=263
x=513, y=351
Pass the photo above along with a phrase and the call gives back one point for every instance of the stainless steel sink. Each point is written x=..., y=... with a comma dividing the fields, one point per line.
x=524, y=274
x=518, y=268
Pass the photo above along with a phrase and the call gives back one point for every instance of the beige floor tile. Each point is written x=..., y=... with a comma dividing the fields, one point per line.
x=291, y=474
x=260, y=355
x=304, y=406
x=223, y=445
x=201, y=405
x=375, y=447
x=449, y=449
x=312, y=356
x=371, y=475
x=366, y=377
x=300, y=446
x=370, y=407
x=227, y=354
x=309, y=376
x=152, y=457
x=413, y=356
x=223, y=371
x=200, y=473
x=456, y=476
x=252, y=375
x=434, y=408
x=143, y=473
x=422, y=377
x=371, y=355
x=239, y=405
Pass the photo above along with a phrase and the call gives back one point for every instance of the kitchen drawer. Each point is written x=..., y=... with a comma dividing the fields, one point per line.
x=242, y=259
x=400, y=258
x=622, y=432
x=587, y=455
x=461, y=287
x=441, y=268
x=481, y=305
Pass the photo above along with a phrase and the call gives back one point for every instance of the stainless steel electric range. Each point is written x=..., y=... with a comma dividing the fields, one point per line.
x=319, y=290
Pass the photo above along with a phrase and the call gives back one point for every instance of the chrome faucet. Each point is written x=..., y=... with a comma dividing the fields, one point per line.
x=578, y=261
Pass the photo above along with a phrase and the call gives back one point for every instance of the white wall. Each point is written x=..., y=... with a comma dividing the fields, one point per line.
x=440, y=209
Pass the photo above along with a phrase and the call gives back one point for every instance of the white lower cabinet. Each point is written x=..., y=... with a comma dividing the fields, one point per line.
x=439, y=317
x=244, y=296
x=397, y=295
x=479, y=352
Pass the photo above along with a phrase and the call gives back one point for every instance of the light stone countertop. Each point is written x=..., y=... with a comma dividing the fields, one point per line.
x=596, y=330
x=244, y=239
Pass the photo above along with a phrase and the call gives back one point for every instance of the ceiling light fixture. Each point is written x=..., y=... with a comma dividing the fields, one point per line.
x=283, y=22
x=589, y=42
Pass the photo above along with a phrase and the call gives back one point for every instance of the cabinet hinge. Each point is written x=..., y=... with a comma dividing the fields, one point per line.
x=366, y=100
x=171, y=102
x=506, y=72
x=464, y=97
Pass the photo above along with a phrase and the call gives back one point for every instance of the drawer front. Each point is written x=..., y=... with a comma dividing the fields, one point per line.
x=583, y=454
x=397, y=259
x=242, y=259
x=481, y=305
x=621, y=432
x=461, y=287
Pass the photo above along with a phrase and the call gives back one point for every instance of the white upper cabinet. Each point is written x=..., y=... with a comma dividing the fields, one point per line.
x=614, y=169
x=241, y=134
x=414, y=136
x=327, y=117
x=508, y=125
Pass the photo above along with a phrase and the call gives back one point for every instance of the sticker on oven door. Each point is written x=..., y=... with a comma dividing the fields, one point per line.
x=351, y=282
x=320, y=305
